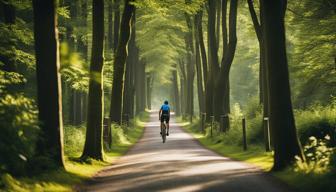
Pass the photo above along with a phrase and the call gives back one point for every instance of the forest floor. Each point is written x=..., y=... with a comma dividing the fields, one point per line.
x=180, y=164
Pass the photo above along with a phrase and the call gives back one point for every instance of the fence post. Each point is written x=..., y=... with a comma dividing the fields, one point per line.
x=226, y=122
x=125, y=119
x=203, y=117
x=267, y=137
x=244, y=134
x=212, y=119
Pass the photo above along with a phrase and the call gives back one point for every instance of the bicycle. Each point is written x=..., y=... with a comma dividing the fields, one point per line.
x=163, y=132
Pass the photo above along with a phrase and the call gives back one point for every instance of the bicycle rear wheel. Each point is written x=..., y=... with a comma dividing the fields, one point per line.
x=163, y=131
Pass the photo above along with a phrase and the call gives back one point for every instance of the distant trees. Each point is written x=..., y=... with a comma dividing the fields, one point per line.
x=93, y=147
x=50, y=141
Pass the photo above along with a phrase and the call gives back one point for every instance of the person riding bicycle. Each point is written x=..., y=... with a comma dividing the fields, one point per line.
x=164, y=115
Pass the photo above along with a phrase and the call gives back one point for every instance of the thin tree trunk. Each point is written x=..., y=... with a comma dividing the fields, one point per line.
x=218, y=22
x=286, y=143
x=176, y=93
x=93, y=147
x=49, y=95
x=263, y=83
x=149, y=90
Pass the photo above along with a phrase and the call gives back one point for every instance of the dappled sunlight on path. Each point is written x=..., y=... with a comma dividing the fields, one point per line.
x=180, y=164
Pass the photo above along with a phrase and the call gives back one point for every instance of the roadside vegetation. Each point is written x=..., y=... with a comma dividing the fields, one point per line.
x=76, y=171
x=314, y=126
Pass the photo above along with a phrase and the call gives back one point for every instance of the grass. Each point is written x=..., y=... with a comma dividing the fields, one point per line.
x=76, y=172
x=256, y=155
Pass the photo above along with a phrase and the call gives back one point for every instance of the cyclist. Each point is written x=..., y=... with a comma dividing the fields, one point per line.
x=164, y=115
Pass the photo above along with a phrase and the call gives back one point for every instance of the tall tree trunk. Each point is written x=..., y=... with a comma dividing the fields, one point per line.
x=49, y=95
x=190, y=67
x=199, y=66
x=213, y=58
x=202, y=48
x=176, y=93
x=116, y=24
x=286, y=143
x=130, y=62
x=119, y=63
x=183, y=83
x=149, y=80
x=222, y=82
x=93, y=147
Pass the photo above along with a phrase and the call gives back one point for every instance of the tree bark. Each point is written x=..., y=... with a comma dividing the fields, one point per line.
x=263, y=76
x=176, y=93
x=200, y=90
x=49, y=95
x=286, y=143
x=110, y=24
x=119, y=64
x=213, y=59
x=93, y=147
x=222, y=82
x=116, y=24
x=129, y=81
x=202, y=47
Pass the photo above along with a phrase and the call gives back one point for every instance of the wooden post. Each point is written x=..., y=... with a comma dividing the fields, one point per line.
x=267, y=137
x=226, y=121
x=125, y=119
x=212, y=119
x=244, y=134
x=221, y=124
x=203, y=118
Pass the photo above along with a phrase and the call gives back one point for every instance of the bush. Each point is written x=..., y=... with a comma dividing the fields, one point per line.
x=317, y=121
x=318, y=156
x=74, y=139
x=18, y=128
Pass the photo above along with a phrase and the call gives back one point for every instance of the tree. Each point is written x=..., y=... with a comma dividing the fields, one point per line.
x=286, y=143
x=199, y=64
x=212, y=59
x=128, y=99
x=263, y=83
x=116, y=24
x=222, y=86
x=50, y=141
x=93, y=147
x=119, y=63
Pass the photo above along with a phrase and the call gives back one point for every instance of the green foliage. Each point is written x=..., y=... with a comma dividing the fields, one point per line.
x=73, y=69
x=74, y=139
x=317, y=156
x=316, y=121
x=18, y=127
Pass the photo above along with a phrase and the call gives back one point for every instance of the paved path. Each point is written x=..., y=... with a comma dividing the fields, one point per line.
x=181, y=164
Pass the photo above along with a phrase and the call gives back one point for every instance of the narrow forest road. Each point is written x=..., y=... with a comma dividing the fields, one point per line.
x=180, y=164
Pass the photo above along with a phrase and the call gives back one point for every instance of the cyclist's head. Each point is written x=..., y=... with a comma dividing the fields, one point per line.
x=166, y=102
